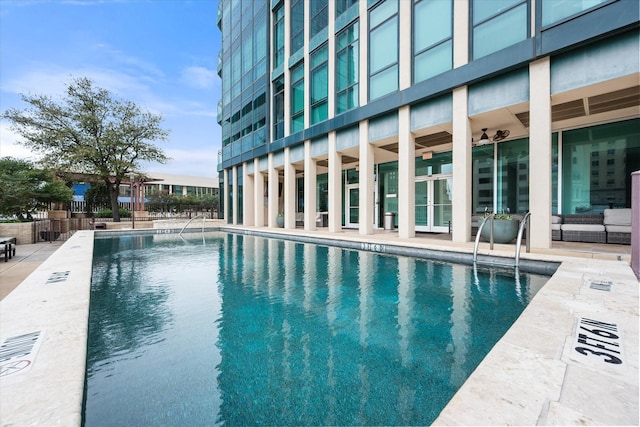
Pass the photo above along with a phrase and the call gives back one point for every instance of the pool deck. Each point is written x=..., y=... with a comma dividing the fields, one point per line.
x=552, y=367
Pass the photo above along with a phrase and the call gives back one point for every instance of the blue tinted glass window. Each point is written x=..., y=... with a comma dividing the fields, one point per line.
x=433, y=49
x=557, y=10
x=383, y=49
x=347, y=68
x=499, y=31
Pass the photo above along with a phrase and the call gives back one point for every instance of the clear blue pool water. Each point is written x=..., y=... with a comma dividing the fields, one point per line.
x=240, y=330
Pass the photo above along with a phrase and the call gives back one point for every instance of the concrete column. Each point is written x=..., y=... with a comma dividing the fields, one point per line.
x=258, y=192
x=462, y=167
x=461, y=30
x=635, y=223
x=405, y=56
x=289, y=190
x=335, y=186
x=540, y=152
x=310, y=183
x=406, y=176
x=225, y=195
x=365, y=216
x=272, y=210
x=248, y=199
x=234, y=193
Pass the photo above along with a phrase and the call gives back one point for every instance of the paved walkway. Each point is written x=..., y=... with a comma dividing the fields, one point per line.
x=26, y=260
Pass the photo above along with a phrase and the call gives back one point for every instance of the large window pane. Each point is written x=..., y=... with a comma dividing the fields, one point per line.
x=383, y=46
x=278, y=108
x=483, y=9
x=500, y=32
x=319, y=84
x=343, y=5
x=382, y=12
x=513, y=176
x=384, y=82
x=597, y=163
x=278, y=37
x=433, y=23
x=297, y=24
x=347, y=68
x=482, y=184
x=557, y=10
x=319, y=16
x=433, y=61
x=297, y=98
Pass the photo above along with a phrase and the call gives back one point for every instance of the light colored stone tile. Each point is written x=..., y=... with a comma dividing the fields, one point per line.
x=511, y=386
x=582, y=392
x=559, y=415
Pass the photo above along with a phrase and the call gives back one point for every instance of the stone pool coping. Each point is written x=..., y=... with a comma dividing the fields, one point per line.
x=533, y=375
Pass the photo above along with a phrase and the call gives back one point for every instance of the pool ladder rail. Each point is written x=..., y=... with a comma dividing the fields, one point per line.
x=524, y=222
x=189, y=222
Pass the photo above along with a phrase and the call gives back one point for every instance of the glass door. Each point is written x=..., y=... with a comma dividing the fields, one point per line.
x=352, y=207
x=433, y=204
x=441, y=208
x=422, y=201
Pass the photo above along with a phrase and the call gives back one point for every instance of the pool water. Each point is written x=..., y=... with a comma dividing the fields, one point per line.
x=240, y=330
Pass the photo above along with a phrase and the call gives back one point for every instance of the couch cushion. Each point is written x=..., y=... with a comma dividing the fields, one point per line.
x=617, y=216
x=583, y=227
x=556, y=226
x=618, y=228
x=556, y=219
x=583, y=219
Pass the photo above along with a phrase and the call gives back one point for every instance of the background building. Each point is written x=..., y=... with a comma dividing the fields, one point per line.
x=156, y=182
x=431, y=109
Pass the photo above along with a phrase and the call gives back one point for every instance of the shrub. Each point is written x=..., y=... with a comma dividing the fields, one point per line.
x=108, y=213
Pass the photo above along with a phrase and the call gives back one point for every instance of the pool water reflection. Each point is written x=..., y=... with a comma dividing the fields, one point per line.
x=243, y=330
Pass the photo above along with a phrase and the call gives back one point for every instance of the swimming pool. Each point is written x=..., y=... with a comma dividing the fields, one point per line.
x=233, y=329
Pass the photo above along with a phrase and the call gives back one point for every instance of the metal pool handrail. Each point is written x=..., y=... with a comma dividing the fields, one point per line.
x=525, y=220
x=189, y=222
x=475, y=247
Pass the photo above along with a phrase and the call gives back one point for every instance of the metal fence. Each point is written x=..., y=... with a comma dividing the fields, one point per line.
x=49, y=230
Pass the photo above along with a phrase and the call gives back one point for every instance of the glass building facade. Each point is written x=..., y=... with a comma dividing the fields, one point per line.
x=335, y=113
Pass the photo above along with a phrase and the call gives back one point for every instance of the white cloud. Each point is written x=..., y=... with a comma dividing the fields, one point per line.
x=9, y=146
x=198, y=77
x=119, y=59
x=199, y=162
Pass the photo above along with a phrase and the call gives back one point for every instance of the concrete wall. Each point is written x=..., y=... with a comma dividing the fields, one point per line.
x=22, y=231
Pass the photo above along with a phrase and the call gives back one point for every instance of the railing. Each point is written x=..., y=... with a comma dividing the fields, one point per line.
x=525, y=221
x=475, y=247
x=189, y=222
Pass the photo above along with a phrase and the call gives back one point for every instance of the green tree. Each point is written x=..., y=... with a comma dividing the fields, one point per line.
x=25, y=189
x=161, y=201
x=90, y=131
x=97, y=195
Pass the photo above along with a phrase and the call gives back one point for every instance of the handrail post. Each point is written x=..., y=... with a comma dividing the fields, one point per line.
x=491, y=232
x=528, y=232
x=519, y=239
x=480, y=227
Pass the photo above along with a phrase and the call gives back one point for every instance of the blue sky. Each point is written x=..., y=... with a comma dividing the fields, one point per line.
x=160, y=54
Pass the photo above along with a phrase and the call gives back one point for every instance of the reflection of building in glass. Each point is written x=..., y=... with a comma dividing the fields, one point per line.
x=362, y=103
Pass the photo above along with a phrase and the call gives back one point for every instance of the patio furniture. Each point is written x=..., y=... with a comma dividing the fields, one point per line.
x=617, y=223
x=8, y=245
x=556, y=231
x=583, y=228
